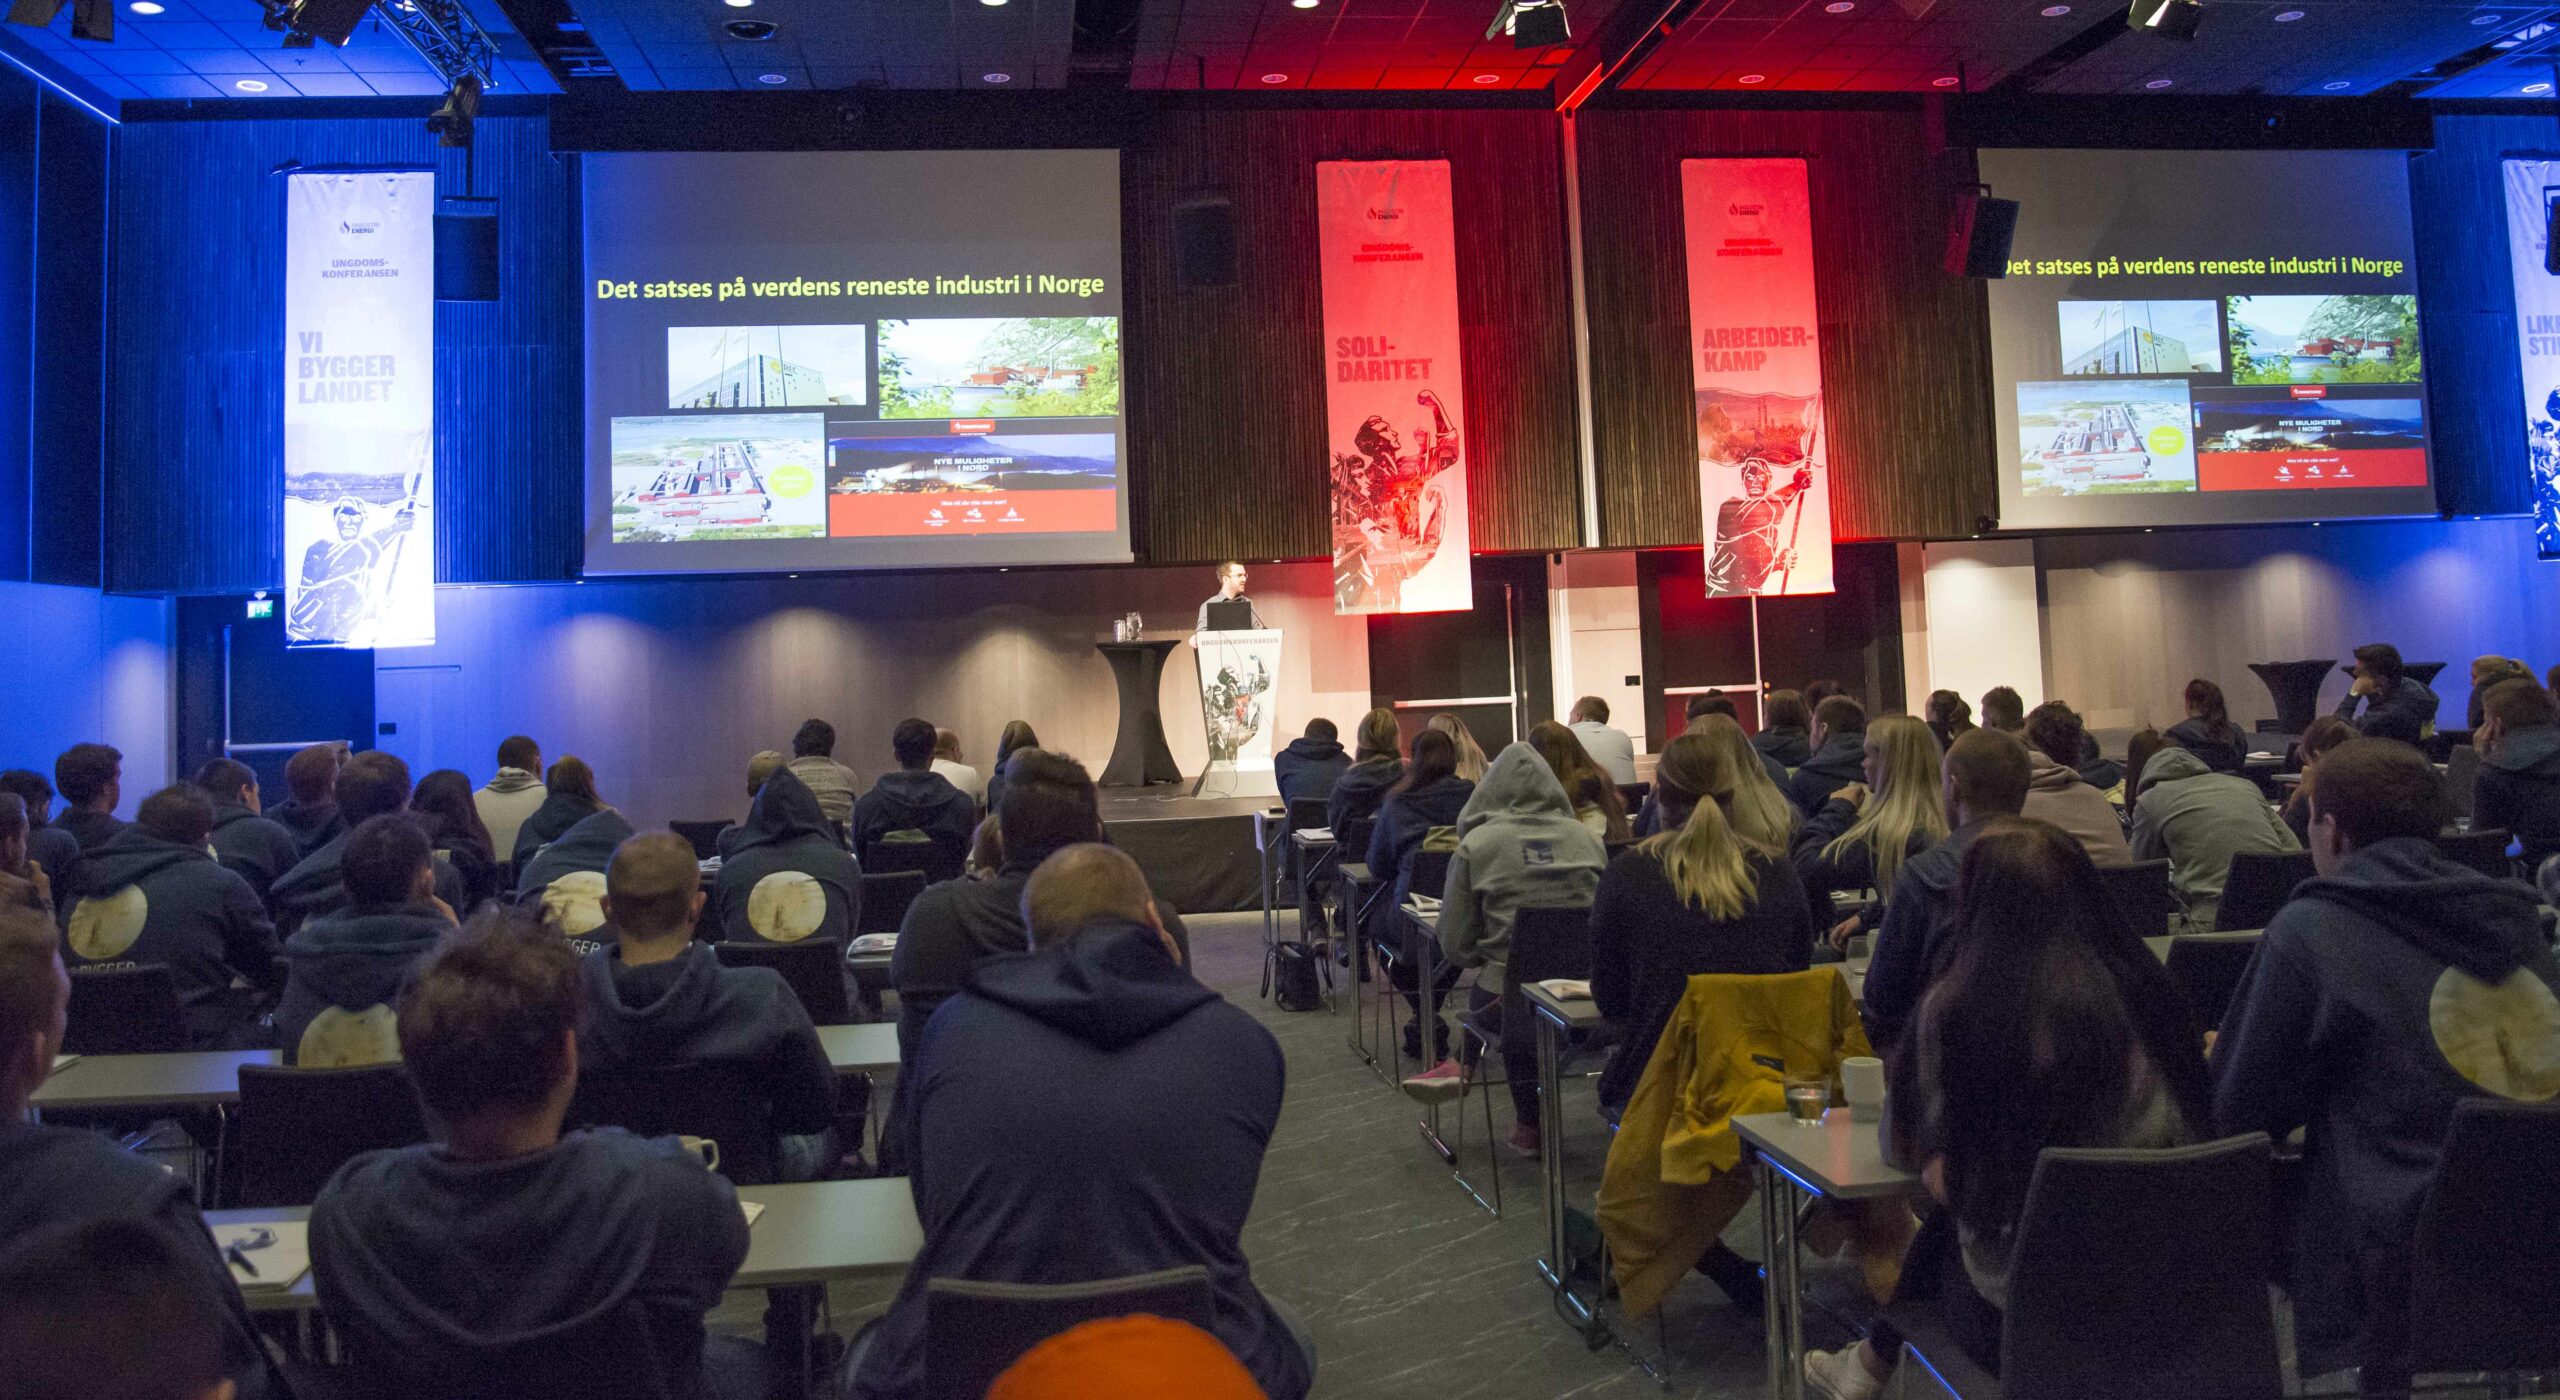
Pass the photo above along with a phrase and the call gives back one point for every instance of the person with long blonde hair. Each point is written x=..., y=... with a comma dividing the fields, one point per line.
x=1753, y=802
x=1862, y=833
x=1471, y=759
x=1597, y=804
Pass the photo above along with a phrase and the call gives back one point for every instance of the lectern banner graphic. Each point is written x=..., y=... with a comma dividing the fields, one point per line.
x=1755, y=355
x=2532, y=186
x=1395, y=404
x=359, y=409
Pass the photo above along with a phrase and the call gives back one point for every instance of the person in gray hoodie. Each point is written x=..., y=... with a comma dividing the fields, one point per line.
x=344, y=971
x=153, y=893
x=566, y=877
x=2518, y=790
x=783, y=877
x=2056, y=793
x=2199, y=820
x=514, y=794
x=2390, y=988
x=1519, y=844
x=247, y=843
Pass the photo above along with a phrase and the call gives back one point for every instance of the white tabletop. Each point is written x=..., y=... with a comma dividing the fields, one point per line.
x=1835, y=1157
x=1572, y=1015
x=861, y=1049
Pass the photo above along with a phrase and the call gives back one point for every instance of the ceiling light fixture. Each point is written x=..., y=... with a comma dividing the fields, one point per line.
x=2055, y=11
x=2536, y=89
x=1488, y=77
x=250, y=85
x=1942, y=82
x=1839, y=7
x=739, y=4
x=1304, y=4
x=2485, y=19
x=996, y=77
x=1275, y=77
x=1749, y=78
x=754, y=31
x=775, y=78
x=2158, y=83
x=2288, y=16
x=148, y=7
x=2333, y=87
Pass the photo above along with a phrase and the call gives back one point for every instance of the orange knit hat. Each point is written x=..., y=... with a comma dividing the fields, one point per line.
x=1127, y=1358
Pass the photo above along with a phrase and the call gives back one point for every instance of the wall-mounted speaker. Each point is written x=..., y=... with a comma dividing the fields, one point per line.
x=467, y=250
x=1978, y=236
x=1204, y=242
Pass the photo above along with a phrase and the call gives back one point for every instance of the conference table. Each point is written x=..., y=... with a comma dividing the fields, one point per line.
x=1556, y=1018
x=1837, y=1158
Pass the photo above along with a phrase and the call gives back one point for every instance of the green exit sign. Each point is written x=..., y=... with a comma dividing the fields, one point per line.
x=261, y=609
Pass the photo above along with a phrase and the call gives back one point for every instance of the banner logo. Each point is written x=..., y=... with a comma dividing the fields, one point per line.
x=2532, y=187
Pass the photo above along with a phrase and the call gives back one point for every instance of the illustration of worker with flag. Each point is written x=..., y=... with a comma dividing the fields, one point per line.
x=1758, y=436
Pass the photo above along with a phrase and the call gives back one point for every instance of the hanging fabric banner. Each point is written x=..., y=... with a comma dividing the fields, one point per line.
x=1395, y=404
x=359, y=409
x=2532, y=186
x=1756, y=366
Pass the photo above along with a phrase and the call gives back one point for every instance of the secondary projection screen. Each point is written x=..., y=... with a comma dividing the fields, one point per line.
x=847, y=360
x=2190, y=338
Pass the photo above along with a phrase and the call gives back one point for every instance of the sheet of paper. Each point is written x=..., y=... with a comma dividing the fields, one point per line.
x=278, y=1265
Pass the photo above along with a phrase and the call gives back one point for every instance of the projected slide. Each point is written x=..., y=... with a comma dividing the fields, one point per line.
x=2202, y=337
x=853, y=360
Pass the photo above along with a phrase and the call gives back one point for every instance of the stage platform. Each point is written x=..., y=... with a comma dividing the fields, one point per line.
x=1197, y=851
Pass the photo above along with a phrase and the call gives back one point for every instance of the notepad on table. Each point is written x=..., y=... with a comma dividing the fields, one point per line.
x=1317, y=833
x=752, y=1209
x=265, y=1258
x=875, y=943
x=1427, y=903
x=1566, y=989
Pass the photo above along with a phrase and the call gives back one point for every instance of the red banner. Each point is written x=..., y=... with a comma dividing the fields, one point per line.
x=1395, y=405
x=1756, y=365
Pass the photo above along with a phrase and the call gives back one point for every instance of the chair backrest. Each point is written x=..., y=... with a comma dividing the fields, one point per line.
x=814, y=967
x=913, y=850
x=2141, y=892
x=973, y=1331
x=705, y=836
x=1353, y=838
x=885, y=897
x=1634, y=795
x=2484, y=1280
x=2461, y=777
x=727, y=1103
x=1426, y=872
x=2484, y=851
x=298, y=1126
x=613, y=1354
x=1550, y=941
x=2140, y=1274
x=2259, y=884
x=2207, y=967
x=129, y=1009
x=1307, y=813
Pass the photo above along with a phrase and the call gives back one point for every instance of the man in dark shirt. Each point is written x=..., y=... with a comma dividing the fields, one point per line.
x=2518, y=790
x=1308, y=768
x=916, y=798
x=91, y=777
x=247, y=843
x=2397, y=705
x=1839, y=754
x=372, y=784
x=1986, y=775
x=345, y=969
x=310, y=807
x=48, y=845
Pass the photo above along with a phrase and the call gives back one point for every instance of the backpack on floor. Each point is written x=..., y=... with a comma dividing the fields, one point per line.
x=1293, y=976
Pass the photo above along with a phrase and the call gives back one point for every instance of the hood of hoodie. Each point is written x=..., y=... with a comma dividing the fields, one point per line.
x=1110, y=986
x=2045, y=775
x=514, y=780
x=2533, y=751
x=785, y=810
x=1840, y=754
x=586, y=846
x=227, y=811
x=130, y=857
x=912, y=799
x=1518, y=787
x=1316, y=750
x=342, y=956
x=2170, y=765
x=303, y=819
x=2453, y=913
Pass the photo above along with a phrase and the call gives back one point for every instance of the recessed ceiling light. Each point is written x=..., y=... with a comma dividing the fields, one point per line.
x=740, y=4
x=250, y=85
x=1942, y=82
x=2485, y=19
x=2288, y=16
x=2054, y=11
x=990, y=2
x=2158, y=83
x=2536, y=89
x=2333, y=87
x=1488, y=77
x=148, y=7
x=1304, y=4
x=1753, y=78
x=1839, y=7
x=754, y=31
x=996, y=77
x=772, y=78
x=1275, y=77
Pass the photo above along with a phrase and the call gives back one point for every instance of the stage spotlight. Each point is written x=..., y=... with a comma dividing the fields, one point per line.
x=298, y=41
x=452, y=121
x=1532, y=24
x=2170, y=19
x=94, y=20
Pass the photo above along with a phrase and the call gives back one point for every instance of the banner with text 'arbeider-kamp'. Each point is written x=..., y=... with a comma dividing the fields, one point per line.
x=359, y=409
x=1755, y=356
x=1395, y=406
x=2532, y=186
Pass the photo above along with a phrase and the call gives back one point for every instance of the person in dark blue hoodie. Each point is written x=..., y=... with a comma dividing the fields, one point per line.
x=48, y=845
x=1839, y=754
x=1786, y=729
x=433, y=1262
x=154, y=894
x=2518, y=790
x=1985, y=774
x=2390, y=988
x=344, y=970
x=569, y=798
x=1151, y=1099
x=2397, y=705
x=310, y=806
x=1429, y=795
x=914, y=798
x=2207, y=731
x=249, y=845
x=783, y=877
x=372, y=784
x=566, y=877
x=1312, y=763
x=91, y=777
x=1356, y=795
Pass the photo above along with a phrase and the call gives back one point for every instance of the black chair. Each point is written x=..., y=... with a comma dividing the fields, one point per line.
x=2141, y=892
x=1395, y=939
x=614, y=1354
x=2461, y=778
x=814, y=968
x=296, y=1127
x=1546, y=941
x=705, y=836
x=973, y=1331
x=2207, y=968
x=725, y=1103
x=913, y=850
x=129, y=1009
x=2484, y=1279
x=1307, y=813
x=2259, y=884
x=2484, y=851
x=885, y=897
x=1634, y=795
x=2137, y=1275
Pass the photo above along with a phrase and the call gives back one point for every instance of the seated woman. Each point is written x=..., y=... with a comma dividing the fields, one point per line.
x=1430, y=794
x=1950, y=718
x=1471, y=760
x=2048, y=1025
x=1859, y=837
x=2207, y=731
x=1597, y=803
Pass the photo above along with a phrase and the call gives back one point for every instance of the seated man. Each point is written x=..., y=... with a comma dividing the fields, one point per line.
x=25, y=882
x=91, y=777
x=371, y=784
x=430, y=1260
x=1308, y=768
x=310, y=806
x=813, y=762
x=344, y=970
x=1609, y=747
x=2388, y=990
x=57, y=1176
x=783, y=876
x=1154, y=1101
x=2518, y=790
x=248, y=844
x=48, y=845
x=153, y=893
x=2199, y=820
x=1984, y=775
x=916, y=799
x=514, y=794
x=2396, y=705
x=657, y=997
x=2057, y=794
x=111, y=1310
x=946, y=761
x=566, y=876
x=1839, y=754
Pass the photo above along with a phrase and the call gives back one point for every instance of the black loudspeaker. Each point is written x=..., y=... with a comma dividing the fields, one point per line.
x=1978, y=237
x=1204, y=242
x=467, y=252
x=2169, y=19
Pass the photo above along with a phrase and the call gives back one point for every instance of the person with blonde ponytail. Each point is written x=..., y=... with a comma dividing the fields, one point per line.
x=1753, y=802
x=1861, y=834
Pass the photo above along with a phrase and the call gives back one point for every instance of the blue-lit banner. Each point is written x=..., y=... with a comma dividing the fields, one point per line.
x=2532, y=186
x=359, y=409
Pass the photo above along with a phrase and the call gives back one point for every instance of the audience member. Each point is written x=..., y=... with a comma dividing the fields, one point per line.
x=566, y=876
x=1716, y=702
x=55, y=1176
x=2199, y=820
x=445, y=809
x=2519, y=785
x=783, y=876
x=2487, y=671
x=1949, y=717
x=1471, y=762
x=1376, y=764
x=310, y=806
x=946, y=761
x=1985, y=776
x=763, y=766
x=344, y=970
x=986, y=849
x=1597, y=804
x=48, y=845
x=153, y=893
x=2327, y=732
x=2005, y=710
x=1308, y=767
x=249, y=845
x=813, y=761
x=569, y=797
x=372, y=784
x=656, y=997
x=2551, y=680
x=1787, y=735
x=2056, y=793
x=1423, y=806
x=1016, y=736
x=2207, y=731
x=23, y=882
x=2396, y=705
x=1519, y=845
x=1861, y=834
x=1757, y=806
x=1152, y=1098
x=91, y=777
x=112, y=1309
x=2049, y=1026
x=915, y=798
x=2390, y=988
x=1839, y=754
x=488, y=1028
x=514, y=794
x=1611, y=749
x=1816, y=692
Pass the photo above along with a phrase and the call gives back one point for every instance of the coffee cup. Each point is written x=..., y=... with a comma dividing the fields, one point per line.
x=1862, y=1086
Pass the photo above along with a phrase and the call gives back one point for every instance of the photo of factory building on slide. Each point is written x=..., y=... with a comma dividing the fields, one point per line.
x=2083, y=438
x=768, y=366
x=2140, y=337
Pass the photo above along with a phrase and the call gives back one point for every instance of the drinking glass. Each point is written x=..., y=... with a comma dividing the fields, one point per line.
x=1808, y=1095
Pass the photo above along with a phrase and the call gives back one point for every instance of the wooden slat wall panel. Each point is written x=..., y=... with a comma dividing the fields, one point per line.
x=1905, y=347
